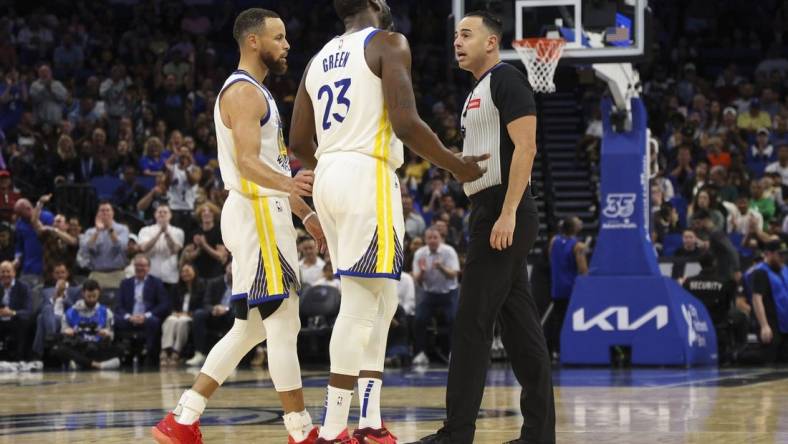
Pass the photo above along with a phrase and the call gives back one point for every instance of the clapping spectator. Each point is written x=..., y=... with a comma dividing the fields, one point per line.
x=157, y=195
x=207, y=251
x=161, y=243
x=682, y=173
x=104, y=246
x=48, y=96
x=13, y=97
x=760, y=155
x=188, y=297
x=55, y=300
x=184, y=177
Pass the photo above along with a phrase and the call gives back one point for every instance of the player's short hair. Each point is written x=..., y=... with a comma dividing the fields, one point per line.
x=347, y=8
x=491, y=21
x=252, y=19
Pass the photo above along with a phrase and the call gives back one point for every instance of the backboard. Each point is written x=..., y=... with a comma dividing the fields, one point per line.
x=611, y=30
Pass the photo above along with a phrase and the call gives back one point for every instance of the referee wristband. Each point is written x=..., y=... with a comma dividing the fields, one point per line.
x=306, y=218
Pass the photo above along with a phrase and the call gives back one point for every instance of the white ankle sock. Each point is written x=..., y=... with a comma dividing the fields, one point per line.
x=369, y=402
x=298, y=425
x=337, y=409
x=190, y=407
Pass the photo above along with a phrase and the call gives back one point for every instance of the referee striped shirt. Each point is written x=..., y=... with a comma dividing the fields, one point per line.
x=501, y=95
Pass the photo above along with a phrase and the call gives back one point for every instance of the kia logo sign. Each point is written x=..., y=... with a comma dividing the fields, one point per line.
x=621, y=320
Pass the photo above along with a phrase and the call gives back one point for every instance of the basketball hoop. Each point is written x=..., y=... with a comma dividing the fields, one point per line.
x=540, y=57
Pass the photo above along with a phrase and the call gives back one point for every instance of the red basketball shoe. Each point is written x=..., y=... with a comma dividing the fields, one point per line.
x=168, y=431
x=343, y=438
x=310, y=439
x=368, y=435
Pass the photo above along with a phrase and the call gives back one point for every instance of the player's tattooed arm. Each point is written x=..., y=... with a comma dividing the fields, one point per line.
x=302, y=126
x=393, y=53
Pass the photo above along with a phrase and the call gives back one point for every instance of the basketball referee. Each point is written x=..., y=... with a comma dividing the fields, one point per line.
x=499, y=119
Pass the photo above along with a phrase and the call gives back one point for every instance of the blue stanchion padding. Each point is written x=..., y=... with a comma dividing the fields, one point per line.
x=624, y=246
x=625, y=301
x=659, y=320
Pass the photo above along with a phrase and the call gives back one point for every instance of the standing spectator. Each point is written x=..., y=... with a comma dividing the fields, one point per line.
x=104, y=245
x=567, y=261
x=760, y=155
x=16, y=310
x=157, y=195
x=435, y=269
x=161, y=243
x=68, y=57
x=13, y=96
x=48, y=96
x=8, y=196
x=184, y=177
x=142, y=304
x=414, y=223
x=311, y=264
x=29, y=251
x=64, y=164
x=207, y=251
x=152, y=161
x=770, y=302
x=113, y=92
x=689, y=249
x=781, y=165
x=188, y=297
x=55, y=300
x=58, y=245
x=217, y=315
x=171, y=102
x=87, y=333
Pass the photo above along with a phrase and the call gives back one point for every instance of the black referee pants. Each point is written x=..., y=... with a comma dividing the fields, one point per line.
x=495, y=287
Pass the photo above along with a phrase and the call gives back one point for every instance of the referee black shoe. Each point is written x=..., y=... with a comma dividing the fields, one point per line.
x=437, y=438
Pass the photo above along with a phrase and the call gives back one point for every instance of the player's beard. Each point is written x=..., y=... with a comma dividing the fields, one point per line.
x=277, y=66
x=386, y=19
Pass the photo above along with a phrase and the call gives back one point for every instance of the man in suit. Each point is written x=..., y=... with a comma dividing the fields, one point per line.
x=142, y=305
x=16, y=309
x=216, y=315
x=55, y=301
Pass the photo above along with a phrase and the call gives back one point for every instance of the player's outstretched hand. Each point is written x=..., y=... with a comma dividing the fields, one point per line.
x=469, y=169
x=314, y=229
x=302, y=183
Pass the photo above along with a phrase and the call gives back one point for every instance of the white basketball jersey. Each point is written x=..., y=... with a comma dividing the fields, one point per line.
x=350, y=113
x=273, y=151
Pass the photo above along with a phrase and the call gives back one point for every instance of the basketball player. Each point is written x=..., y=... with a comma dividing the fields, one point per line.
x=258, y=230
x=356, y=96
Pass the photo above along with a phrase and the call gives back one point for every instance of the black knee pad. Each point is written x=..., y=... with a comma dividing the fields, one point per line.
x=240, y=309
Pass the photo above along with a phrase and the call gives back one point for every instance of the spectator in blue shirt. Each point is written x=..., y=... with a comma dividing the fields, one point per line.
x=760, y=155
x=104, y=246
x=29, y=255
x=13, y=95
x=154, y=157
x=68, y=57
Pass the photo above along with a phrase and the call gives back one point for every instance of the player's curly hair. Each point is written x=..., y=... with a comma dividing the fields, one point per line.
x=347, y=8
x=252, y=19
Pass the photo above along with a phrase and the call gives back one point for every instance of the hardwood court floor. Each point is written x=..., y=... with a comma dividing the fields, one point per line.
x=596, y=406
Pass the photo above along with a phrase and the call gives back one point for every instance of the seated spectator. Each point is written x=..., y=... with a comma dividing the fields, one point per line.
x=156, y=196
x=206, y=250
x=328, y=277
x=7, y=250
x=719, y=180
x=779, y=134
x=717, y=153
x=216, y=315
x=435, y=269
x=699, y=179
x=770, y=303
x=129, y=192
x=414, y=223
x=764, y=204
x=746, y=219
x=760, y=155
x=87, y=333
x=689, y=249
x=718, y=295
x=161, y=243
x=666, y=221
x=311, y=264
x=188, y=297
x=142, y=304
x=55, y=301
x=682, y=173
x=567, y=261
x=104, y=247
x=16, y=311
x=703, y=200
x=89, y=166
x=754, y=118
x=152, y=161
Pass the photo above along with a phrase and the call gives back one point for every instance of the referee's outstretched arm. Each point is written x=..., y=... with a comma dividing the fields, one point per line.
x=522, y=131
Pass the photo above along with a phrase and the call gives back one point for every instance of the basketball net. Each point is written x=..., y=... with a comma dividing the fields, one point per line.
x=540, y=57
